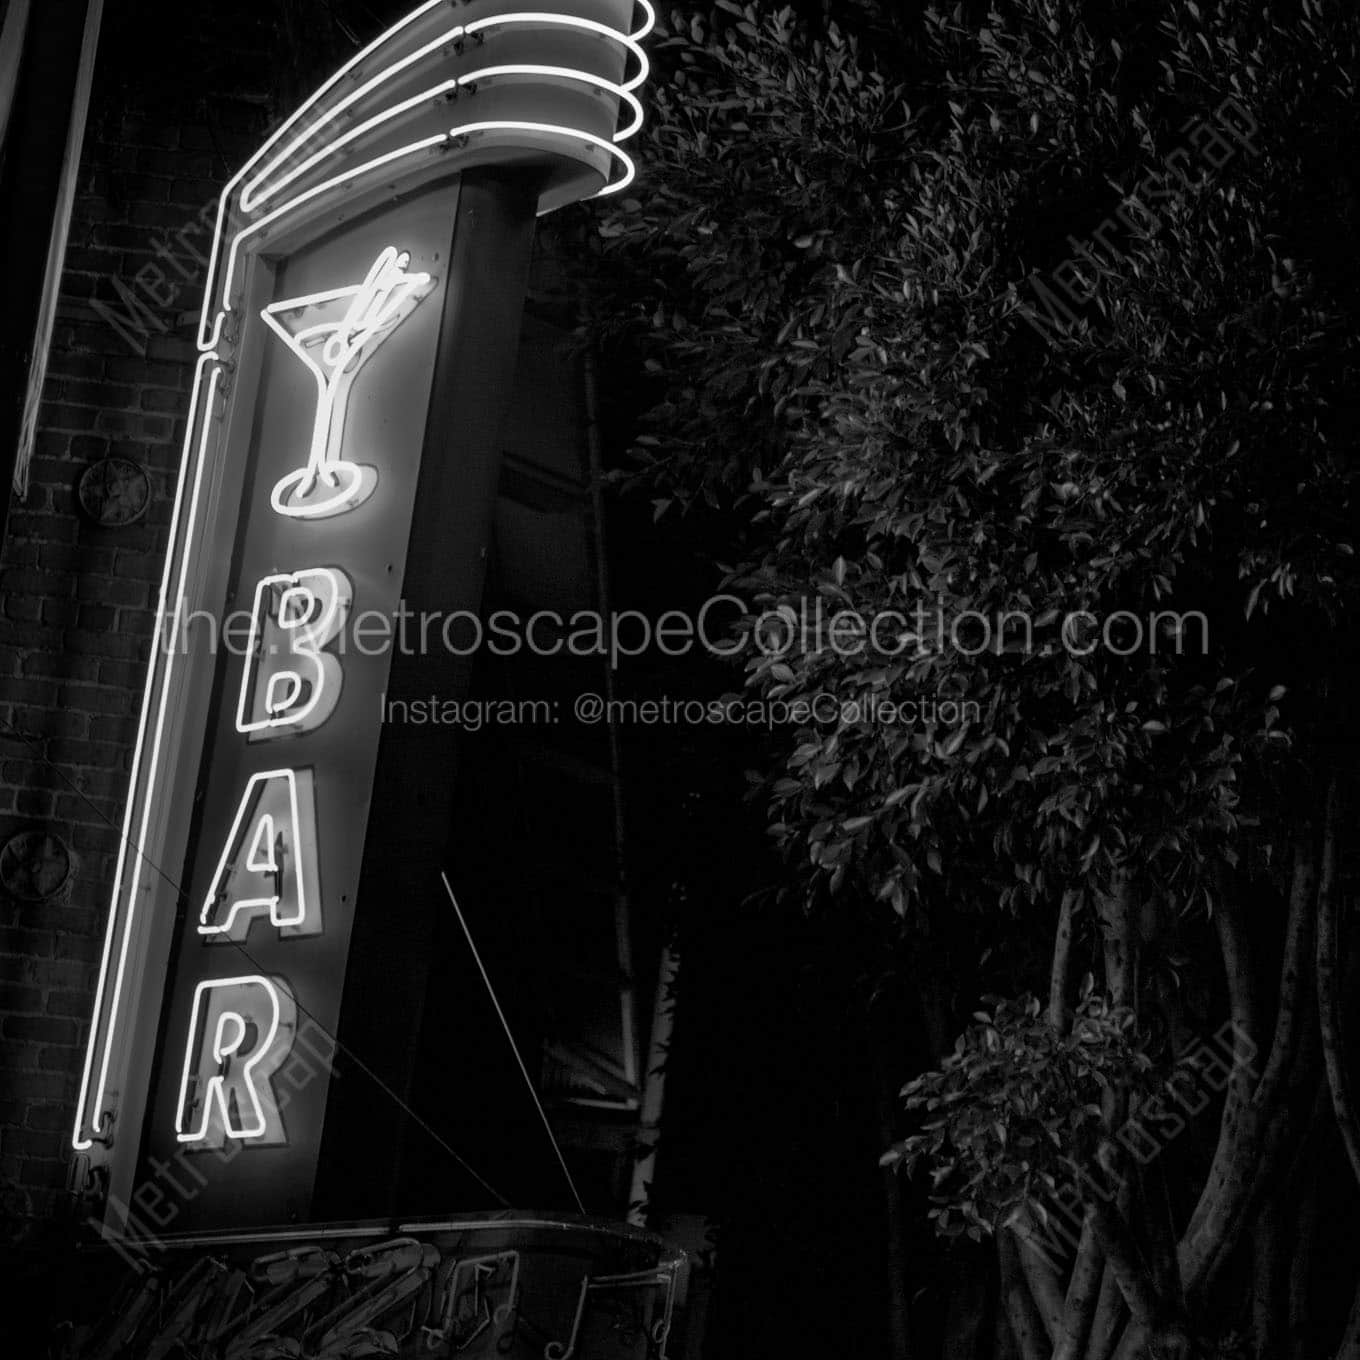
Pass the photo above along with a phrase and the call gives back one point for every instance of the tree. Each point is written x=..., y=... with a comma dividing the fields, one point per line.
x=1028, y=341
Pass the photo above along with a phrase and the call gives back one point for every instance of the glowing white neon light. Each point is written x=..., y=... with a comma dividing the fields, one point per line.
x=427, y=144
x=210, y=323
x=296, y=615
x=565, y=134
x=254, y=194
x=214, y=316
x=623, y=92
x=103, y=1030
x=335, y=333
x=447, y=87
x=92, y=1115
x=206, y=376
x=275, y=826
x=545, y=19
x=240, y=1032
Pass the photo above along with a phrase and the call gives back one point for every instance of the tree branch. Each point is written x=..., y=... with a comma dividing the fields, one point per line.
x=1232, y=1179
x=1061, y=968
x=1268, y=1281
x=1133, y=1344
x=1021, y=1313
x=1161, y=1232
x=1293, y=971
x=1120, y=940
x=1146, y=1306
x=1041, y=1278
x=1110, y=1309
x=1110, y=1315
x=1350, y=1340
x=1301, y=1259
x=1240, y=974
x=1083, y=1292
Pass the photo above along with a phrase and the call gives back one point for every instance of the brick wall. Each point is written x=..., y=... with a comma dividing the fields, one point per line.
x=77, y=599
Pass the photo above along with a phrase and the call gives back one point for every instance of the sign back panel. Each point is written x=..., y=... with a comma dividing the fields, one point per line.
x=282, y=799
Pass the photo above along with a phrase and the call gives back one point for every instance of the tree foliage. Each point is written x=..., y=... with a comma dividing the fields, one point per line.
x=835, y=265
x=1016, y=1109
x=1120, y=524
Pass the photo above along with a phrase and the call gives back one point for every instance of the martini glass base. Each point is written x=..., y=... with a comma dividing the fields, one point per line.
x=331, y=490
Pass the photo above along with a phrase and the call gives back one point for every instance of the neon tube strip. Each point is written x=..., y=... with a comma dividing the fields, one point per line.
x=91, y=1112
x=167, y=633
x=253, y=194
x=449, y=87
x=429, y=143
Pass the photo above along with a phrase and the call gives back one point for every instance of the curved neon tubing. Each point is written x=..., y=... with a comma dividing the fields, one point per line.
x=427, y=143
x=214, y=258
x=229, y=278
x=211, y=316
x=544, y=18
x=568, y=134
x=258, y=196
x=621, y=92
x=252, y=195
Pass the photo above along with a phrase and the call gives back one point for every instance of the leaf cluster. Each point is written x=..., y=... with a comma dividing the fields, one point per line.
x=1016, y=1110
x=829, y=285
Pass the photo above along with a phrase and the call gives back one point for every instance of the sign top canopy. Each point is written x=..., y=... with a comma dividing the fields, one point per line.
x=452, y=86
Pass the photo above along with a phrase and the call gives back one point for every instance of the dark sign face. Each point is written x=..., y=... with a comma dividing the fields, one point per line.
x=296, y=664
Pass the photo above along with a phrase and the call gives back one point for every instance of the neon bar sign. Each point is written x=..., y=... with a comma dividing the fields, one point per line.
x=241, y=1029
x=251, y=774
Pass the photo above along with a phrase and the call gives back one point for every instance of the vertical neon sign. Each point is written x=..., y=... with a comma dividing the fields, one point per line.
x=328, y=279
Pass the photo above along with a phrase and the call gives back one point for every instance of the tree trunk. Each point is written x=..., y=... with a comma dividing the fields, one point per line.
x=1111, y=1312
x=1061, y=969
x=1301, y=1263
x=1234, y=1177
x=1120, y=938
x=895, y=1225
x=1026, y=1326
x=1329, y=999
x=1269, y=1281
x=970, y=1301
x=1041, y=1279
x=1109, y=1319
x=1147, y=1309
x=1350, y=1340
x=1161, y=1234
x=1083, y=1293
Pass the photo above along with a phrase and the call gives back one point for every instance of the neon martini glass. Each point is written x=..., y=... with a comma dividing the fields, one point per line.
x=335, y=333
